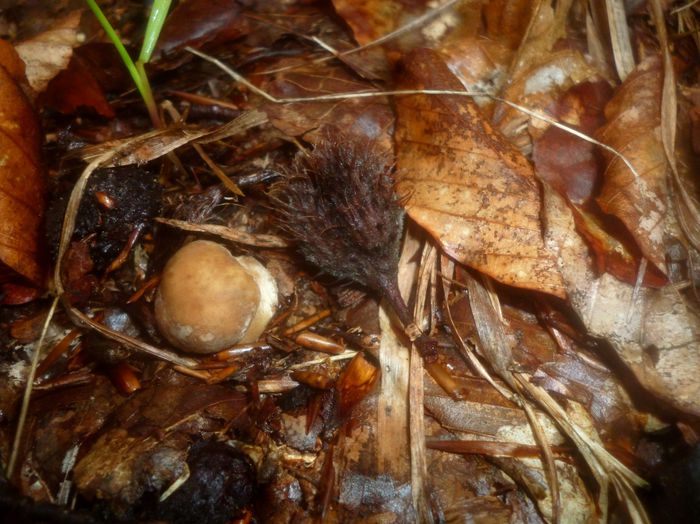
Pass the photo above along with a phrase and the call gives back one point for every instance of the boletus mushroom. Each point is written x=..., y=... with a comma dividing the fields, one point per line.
x=209, y=300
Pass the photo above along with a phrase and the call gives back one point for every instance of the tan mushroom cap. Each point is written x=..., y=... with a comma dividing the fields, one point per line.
x=208, y=300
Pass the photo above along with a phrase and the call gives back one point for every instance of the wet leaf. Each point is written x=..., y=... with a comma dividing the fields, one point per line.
x=371, y=20
x=22, y=183
x=633, y=119
x=466, y=185
x=355, y=382
x=145, y=445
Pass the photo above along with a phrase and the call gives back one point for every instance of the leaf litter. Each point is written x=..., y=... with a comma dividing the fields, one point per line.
x=555, y=366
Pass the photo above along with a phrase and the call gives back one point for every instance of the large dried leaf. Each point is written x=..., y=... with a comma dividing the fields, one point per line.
x=466, y=185
x=21, y=177
x=653, y=331
x=633, y=120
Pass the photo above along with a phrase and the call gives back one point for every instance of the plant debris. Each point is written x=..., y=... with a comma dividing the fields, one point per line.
x=478, y=223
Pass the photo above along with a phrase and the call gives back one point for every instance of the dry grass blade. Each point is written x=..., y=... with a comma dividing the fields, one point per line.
x=227, y=233
x=226, y=181
x=447, y=268
x=604, y=467
x=28, y=391
x=419, y=462
x=404, y=92
x=548, y=456
x=487, y=315
x=620, y=38
x=413, y=24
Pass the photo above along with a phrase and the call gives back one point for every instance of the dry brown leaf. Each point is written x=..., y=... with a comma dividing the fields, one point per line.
x=653, y=331
x=479, y=63
x=466, y=185
x=633, y=120
x=22, y=183
x=49, y=52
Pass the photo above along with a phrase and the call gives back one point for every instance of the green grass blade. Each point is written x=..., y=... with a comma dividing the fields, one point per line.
x=155, y=24
x=114, y=37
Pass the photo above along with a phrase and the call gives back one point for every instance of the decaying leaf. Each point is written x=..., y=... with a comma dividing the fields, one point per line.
x=633, y=120
x=74, y=87
x=372, y=20
x=22, y=183
x=466, y=185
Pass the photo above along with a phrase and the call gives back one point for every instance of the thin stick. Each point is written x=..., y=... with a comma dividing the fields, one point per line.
x=403, y=92
x=28, y=390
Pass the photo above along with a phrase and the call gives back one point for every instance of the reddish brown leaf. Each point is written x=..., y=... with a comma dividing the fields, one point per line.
x=15, y=294
x=506, y=20
x=22, y=182
x=468, y=187
x=611, y=254
x=370, y=20
x=76, y=87
x=634, y=115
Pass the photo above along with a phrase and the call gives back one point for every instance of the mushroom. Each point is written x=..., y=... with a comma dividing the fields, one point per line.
x=208, y=299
